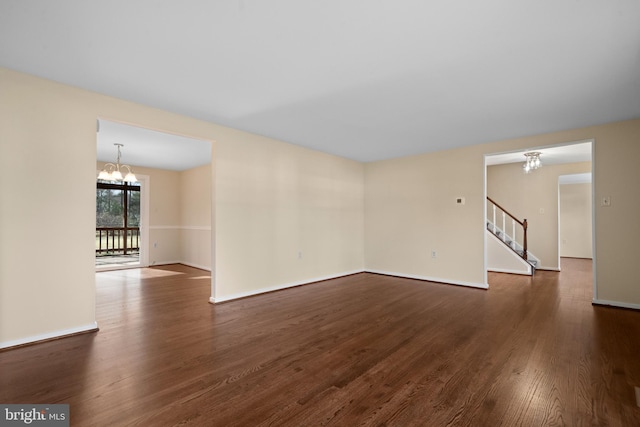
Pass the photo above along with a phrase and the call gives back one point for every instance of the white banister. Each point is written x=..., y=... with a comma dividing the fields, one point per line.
x=504, y=226
x=494, y=218
x=513, y=232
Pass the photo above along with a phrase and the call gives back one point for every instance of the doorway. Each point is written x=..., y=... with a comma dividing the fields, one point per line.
x=536, y=197
x=175, y=218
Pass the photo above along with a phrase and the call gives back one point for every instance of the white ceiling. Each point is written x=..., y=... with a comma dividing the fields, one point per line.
x=148, y=148
x=364, y=79
x=554, y=155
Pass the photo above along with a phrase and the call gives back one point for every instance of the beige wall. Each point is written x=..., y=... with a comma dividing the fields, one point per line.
x=533, y=196
x=47, y=282
x=195, y=217
x=275, y=201
x=411, y=210
x=617, y=227
x=575, y=220
x=271, y=200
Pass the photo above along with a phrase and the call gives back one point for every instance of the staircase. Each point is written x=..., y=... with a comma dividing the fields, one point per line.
x=498, y=223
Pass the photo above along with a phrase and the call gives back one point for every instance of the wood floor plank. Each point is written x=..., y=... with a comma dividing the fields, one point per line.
x=364, y=350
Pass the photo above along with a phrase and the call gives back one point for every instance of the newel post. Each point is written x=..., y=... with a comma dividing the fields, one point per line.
x=524, y=240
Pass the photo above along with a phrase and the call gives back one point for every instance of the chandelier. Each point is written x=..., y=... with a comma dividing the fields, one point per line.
x=111, y=172
x=533, y=161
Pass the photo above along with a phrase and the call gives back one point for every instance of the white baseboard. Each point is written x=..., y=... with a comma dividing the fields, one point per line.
x=616, y=304
x=200, y=267
x=431, y=279
x=50, y=335
x=115, y=267
x=504, y=270
x=157, y=263
x=213, y=300
x=548, y=268
x=188, y=264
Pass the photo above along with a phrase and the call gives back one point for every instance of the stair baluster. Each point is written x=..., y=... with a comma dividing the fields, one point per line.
x=502, y=234
x=494, y=219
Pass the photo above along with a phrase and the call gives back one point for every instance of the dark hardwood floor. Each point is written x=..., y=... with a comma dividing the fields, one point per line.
x=360, y=350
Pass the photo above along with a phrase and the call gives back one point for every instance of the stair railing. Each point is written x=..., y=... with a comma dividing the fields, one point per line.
x=494, y=208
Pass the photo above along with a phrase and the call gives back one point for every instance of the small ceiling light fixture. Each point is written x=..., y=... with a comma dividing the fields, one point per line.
x=111, y=172
x=533, y=161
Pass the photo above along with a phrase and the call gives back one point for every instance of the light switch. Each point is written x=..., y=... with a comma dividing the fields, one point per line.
x=606, y=201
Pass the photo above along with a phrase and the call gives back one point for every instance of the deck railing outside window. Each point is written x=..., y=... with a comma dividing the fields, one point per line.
x=117, y=240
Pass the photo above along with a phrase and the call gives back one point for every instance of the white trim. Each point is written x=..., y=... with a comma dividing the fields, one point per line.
x=593, y=218
x=113, y=267
x=559, y=262
x=506, y=270
x=57, y=334
x=548, y=268
x=145, y=191
x=616, y=304
x=180, y=227
x=157, y=263
x=214, y=300
x=432, y=279
x=485, y=247
x=201, y=267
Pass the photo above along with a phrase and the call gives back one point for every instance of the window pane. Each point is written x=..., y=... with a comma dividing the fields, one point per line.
x=133, y=208
x=109, y=209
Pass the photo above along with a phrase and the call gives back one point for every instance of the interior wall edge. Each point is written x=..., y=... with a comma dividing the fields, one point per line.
x=281, y=287
x=34, y=339
x=616, y=304
x=432, y=279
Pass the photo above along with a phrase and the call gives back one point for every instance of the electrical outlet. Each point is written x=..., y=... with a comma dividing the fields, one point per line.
x=155, y=244
x=299, y=254
x=606, y=201
x=433, y=254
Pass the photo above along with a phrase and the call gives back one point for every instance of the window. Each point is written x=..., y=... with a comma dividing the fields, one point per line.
x=117, y=218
